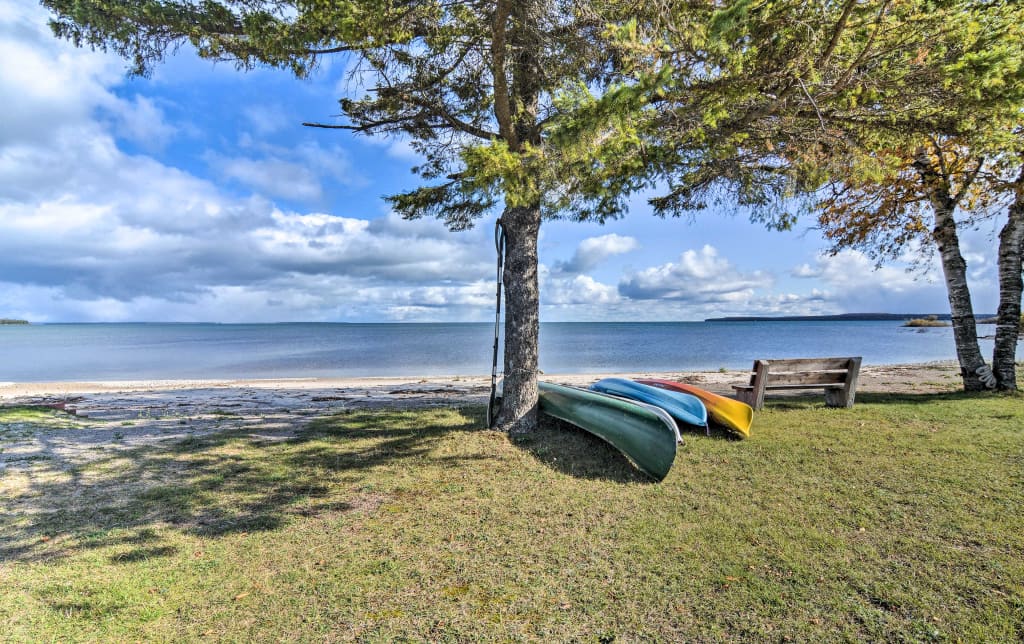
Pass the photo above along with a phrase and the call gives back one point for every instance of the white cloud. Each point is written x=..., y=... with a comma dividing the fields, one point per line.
x=268, y=119
x=403, y=151
x=88, y=232
x=47, y=85
x=593, y=250
x=698, y=277
x=856, y=285
x=852, y=270
x=271, y=176
x=579, y=289
x=142, y=121
x=806, y=271
x=295, y=173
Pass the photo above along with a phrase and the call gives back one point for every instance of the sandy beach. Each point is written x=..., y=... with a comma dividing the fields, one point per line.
x=406, y=391
x=127, y=414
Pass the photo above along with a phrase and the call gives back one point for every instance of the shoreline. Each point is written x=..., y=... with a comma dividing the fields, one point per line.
x=93, y=420
x=904, y=377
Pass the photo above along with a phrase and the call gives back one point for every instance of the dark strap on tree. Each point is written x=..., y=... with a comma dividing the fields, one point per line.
x=499, y=245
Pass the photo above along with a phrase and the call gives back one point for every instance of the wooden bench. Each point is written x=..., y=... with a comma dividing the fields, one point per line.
x=837, y=376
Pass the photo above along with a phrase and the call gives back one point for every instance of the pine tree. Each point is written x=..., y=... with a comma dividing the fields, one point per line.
x=474, y=85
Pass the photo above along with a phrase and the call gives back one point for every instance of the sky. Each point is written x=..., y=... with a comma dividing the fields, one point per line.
x=196, y=195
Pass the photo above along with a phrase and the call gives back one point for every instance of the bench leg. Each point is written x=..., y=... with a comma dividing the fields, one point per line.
x=744, y=395
x=759, y=382
x=838, y=398
x=751, y=397
x=844, y=397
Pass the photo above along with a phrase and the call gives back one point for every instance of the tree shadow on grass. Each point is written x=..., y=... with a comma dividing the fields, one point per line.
x=212, y=485
x=927, y=398
x=573, y=451
x=805, y=401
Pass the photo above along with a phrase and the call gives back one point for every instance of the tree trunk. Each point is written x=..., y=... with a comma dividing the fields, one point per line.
x=1011, y=240
x=516, y=111
x=965, y=329
x=522, y=320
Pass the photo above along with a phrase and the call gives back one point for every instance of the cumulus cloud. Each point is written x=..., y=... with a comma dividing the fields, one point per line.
x=271, y=176
x=89, y=232
x=699, y=277
x=851, y=270
x=579, y=289
x=857, y=285
x=295, y=173
x=47, y=86
x=143, y=121
x=592, y=251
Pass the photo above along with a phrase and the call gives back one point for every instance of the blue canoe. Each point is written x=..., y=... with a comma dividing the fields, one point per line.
x=685, y=408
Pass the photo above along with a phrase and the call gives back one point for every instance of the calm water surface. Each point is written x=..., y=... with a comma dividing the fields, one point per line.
x=168, y=351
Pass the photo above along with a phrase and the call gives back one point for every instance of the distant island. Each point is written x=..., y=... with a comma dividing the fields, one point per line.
x=842, y=317
x=931, y=320
x=8, y=321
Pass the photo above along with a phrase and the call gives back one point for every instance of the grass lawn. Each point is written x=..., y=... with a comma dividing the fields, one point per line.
x=901, y=519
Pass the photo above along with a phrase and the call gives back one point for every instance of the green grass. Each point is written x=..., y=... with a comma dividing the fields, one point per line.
x=901, y=519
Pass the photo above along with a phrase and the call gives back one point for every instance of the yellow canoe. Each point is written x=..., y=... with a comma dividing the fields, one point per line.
x=731, y=414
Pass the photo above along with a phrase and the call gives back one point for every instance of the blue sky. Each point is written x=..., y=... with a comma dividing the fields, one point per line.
x=196, y=195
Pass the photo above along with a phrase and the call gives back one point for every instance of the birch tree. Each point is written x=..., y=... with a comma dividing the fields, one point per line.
x=875, y=117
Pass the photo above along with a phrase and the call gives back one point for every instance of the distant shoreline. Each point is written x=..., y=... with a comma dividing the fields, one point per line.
x=9, y=321
x=842, y=317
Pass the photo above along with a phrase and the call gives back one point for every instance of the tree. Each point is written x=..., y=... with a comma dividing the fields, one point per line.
x=1011, y=284
x=917, y=204
x=474, y=84
x=886, y=109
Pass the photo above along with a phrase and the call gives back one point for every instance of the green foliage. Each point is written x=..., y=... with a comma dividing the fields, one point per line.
x=437, y=74
x=756, y=104
x=285, y=35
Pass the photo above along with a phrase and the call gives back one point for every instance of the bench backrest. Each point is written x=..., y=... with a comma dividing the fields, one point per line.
x=804, y=371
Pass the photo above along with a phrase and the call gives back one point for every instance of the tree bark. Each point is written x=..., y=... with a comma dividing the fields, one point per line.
x=938, y=186
x=522, y=320
x=1011, y=245
x=954, y=268
x=518, y=102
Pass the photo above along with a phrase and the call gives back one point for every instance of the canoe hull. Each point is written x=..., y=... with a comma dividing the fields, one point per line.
x=641, y=434
x=731, y=414
x=684, y=407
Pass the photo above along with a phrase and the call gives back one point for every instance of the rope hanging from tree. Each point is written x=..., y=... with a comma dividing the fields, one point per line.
x=499, y=245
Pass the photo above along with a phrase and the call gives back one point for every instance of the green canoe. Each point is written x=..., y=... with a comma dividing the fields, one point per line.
x=645, y=434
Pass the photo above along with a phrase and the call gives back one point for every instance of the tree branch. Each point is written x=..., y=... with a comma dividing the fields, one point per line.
x=837, y=32
x=867, y=46
x=502, y=106
x=331, y=127
x=333, y=50
x=968, y=180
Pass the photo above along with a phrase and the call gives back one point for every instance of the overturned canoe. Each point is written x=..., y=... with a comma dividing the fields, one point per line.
x=643, y=435
x=731, y=414
x=683, y=407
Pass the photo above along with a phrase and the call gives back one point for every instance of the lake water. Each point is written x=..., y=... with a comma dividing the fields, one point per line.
x=54, y=352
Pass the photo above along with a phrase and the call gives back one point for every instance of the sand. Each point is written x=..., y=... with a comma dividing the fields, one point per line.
x=121, y=415
x=87, y=398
